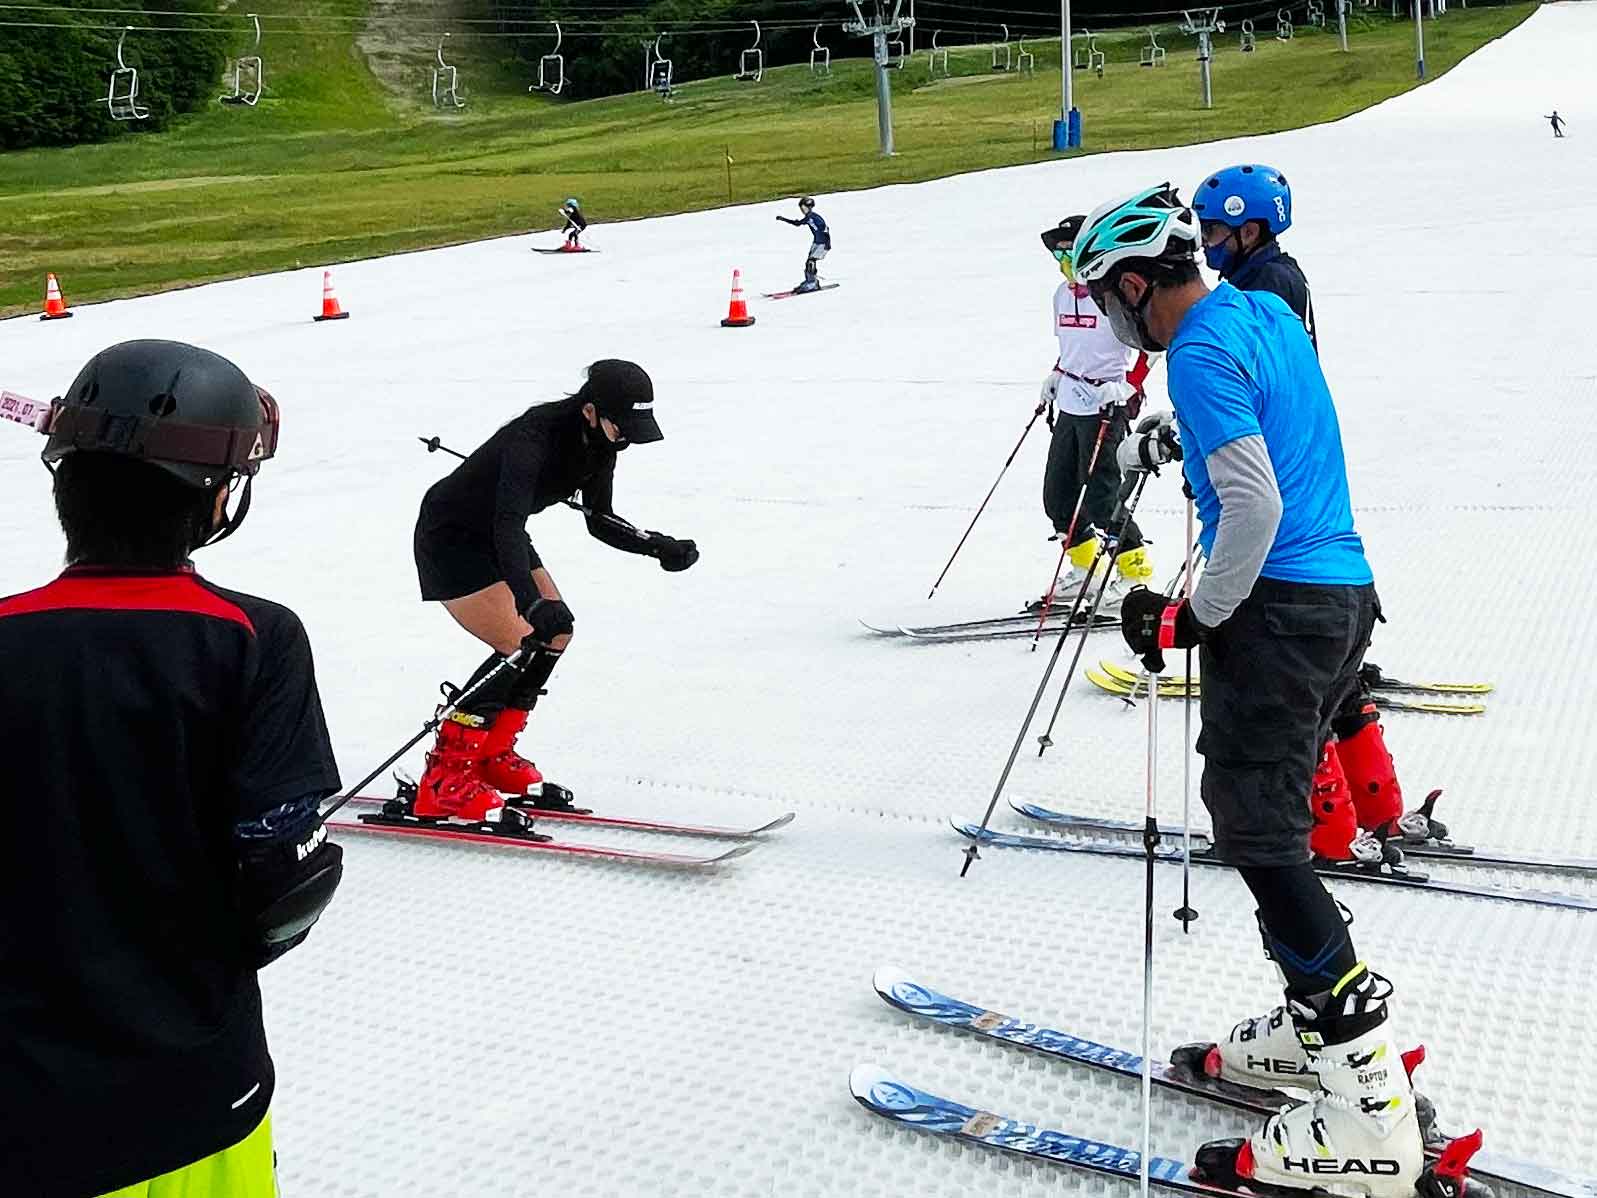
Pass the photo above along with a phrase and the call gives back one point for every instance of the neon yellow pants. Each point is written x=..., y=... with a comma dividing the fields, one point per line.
x=245, y=1170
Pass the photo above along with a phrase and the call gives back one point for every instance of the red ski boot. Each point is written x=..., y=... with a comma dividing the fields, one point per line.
x=1371, y=776
x=451, y=787
x=1336, y=836
x=502, y=768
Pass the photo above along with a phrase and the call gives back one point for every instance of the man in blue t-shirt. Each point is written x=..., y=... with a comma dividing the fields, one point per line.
x=1280, y=617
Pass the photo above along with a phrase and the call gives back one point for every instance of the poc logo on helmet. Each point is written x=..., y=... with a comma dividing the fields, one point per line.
x=1280, y=208
x=1234, y=205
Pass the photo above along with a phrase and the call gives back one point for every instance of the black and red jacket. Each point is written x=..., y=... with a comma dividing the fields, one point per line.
x=147, y=717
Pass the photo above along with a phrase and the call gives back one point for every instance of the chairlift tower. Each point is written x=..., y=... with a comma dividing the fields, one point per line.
x=877, y=29
x=1203, y=22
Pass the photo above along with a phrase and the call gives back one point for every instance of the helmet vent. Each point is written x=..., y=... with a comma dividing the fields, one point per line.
x=163, y=405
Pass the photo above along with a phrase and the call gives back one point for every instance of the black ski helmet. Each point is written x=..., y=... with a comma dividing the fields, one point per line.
x=807, y=203
x=187, y=410
x=1063, y=235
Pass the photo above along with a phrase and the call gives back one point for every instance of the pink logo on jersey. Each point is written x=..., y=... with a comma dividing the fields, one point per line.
x=1077, y=321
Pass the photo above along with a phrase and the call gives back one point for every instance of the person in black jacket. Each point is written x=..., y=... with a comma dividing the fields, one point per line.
x=474, y=556
x=1243, y=210
x=166, y=756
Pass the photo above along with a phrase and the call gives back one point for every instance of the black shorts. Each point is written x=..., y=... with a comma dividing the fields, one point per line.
x=1274, y=674
x=451, y=563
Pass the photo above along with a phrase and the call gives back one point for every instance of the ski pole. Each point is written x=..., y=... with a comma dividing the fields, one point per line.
x=1045, y=741
x=1150, y=842
x=434, y=444
x=1186, y=913
x=1070, y=533
x=983, y=507
x=443, y=713
x=971, y=853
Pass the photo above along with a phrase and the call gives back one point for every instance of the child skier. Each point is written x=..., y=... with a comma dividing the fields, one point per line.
x=820, y=244
x=1091, y=399
x=576, y=223
x=473, y=555
x=1558, y=123
x=157, y=873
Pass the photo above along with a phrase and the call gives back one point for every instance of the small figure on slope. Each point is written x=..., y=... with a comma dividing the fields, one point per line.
x=474, y=556
x=1091, y=398
x=576, y=223
x=820, y=244
x=1242, y=211
x=181, y=851
x=1557, y=122
x=1281, y=617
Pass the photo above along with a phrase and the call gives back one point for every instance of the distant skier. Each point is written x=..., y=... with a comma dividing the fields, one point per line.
x=1355, y=793
x=820, y=245
x=1280, y=617
x=1558, y=123
x=1243, y=209
x=473, y=555
x=149, y=875
x=1091, y=398
x=576, y=224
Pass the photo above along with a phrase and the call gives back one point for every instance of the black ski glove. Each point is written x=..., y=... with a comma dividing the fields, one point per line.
x=549, y=618
x=674, y=555
x=1150, y=623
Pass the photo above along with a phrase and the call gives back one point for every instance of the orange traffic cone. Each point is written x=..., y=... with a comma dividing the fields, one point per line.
x=737, y=315
x=330, y=308
x=55, y=308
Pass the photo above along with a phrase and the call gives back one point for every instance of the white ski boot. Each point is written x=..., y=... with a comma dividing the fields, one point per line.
x=1359, y=1135
x=1263, y=1052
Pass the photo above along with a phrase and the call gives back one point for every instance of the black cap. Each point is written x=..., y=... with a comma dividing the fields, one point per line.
x=622, y=392
x=1063, y=235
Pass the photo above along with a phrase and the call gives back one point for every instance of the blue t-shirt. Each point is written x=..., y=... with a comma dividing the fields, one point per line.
x=1241, y=365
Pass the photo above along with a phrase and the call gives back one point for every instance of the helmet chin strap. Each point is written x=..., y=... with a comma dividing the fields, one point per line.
x=230, y=522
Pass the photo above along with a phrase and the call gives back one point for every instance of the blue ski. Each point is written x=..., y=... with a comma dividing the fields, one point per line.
x=1171, y=853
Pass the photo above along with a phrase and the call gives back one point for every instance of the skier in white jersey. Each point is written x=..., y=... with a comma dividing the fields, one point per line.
x=1089, y=392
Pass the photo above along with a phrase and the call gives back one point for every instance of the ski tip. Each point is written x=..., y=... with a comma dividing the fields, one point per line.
x=863, y=1080
x=886, y=977
x=971, y=831
x=732, y=854
x=780, y=821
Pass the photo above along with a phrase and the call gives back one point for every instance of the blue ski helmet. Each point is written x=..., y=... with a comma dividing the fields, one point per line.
x=571, y=204
x=1239, y=194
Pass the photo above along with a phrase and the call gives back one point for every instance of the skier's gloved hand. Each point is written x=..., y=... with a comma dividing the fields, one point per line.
x=287, y=872
x=549, y=618
x=1155, y=442
x=674, y=555
x=1050, y=389
x=1150, y=623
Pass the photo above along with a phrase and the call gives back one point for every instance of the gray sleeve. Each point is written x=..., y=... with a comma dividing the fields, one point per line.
x=1250, y=512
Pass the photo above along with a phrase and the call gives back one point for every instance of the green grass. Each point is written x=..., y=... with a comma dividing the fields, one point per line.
x=329, y=168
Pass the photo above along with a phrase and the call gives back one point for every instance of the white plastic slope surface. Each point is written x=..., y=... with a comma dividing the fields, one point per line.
x=478, y=1023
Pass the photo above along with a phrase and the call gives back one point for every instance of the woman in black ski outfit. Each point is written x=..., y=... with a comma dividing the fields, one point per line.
x=474, y=556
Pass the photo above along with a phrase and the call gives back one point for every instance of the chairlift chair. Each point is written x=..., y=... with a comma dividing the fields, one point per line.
x=751, y=63
x=446, y=82
x=895, y=52
x=820, y=56
x=122, y=97
x=659, y=77
x=937, y=55
x=1316, y=12
x=551, y=67
x=1008, y=63
x=1283, y=24
x=1025, y=60
x=1153, y=54
x=1095, y=57
x=1248, y=41
x=247, y=73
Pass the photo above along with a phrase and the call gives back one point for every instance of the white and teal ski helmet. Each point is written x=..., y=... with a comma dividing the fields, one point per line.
x=1151, y=223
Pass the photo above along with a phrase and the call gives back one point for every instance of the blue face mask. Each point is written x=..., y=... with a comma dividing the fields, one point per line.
x=1222, y=258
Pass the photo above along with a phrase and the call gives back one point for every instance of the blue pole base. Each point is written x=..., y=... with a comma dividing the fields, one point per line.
x=1067, y=133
